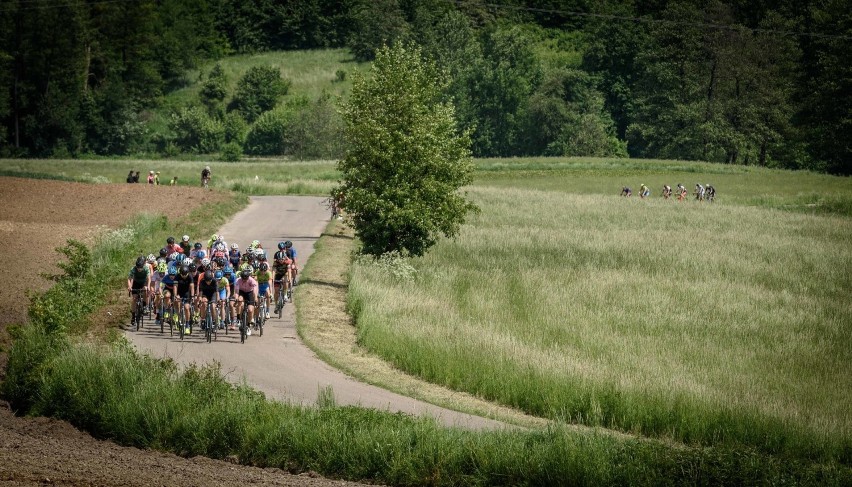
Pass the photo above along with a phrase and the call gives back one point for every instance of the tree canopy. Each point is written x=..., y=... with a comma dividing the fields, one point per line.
x=406, y=158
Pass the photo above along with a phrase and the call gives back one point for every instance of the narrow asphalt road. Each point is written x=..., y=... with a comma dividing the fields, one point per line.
x=279, y=364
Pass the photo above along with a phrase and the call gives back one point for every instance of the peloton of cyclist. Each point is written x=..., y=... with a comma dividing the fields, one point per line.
x=138, y=281
x=263, y=276
x=205, y=176
x=185, y=245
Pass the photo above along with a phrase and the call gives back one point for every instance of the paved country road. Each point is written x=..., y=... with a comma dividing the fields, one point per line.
x=279, y=364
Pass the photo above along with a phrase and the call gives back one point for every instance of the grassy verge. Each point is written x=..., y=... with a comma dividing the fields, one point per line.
x=325, y=325
x=705, y=324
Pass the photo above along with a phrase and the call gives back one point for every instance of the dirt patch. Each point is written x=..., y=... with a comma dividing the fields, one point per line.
x=37, y=217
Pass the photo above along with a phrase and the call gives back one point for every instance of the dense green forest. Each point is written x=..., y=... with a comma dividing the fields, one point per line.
x=743, y=82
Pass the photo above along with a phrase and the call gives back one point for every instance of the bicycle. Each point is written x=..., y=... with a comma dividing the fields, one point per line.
x=261, y=316
x=279, y=297
x=185, y=320
x=244, y=323
x=210, y=328
x=139, y=306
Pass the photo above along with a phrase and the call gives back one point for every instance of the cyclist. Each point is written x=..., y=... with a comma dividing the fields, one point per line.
x=199, y=257
x=219, y=249
x=224, y=296
x=699, y=192
x=644, y=191
x=172, y=247
x=186, y=292
x=205, y=176
x=196, y=247
x=234, y=255
x=246, y=287
x=210, y=243
x=138, y=281
x=185, y=245
x=711, y=192
x=681, y=192
x=151, y=261
x=264, y=277
x=231, y=277
x=156, y=278
x=282, y=276
x=168, y=288
x=294, y=266
x=208, y=291
x=625, y=191
x=667, y=191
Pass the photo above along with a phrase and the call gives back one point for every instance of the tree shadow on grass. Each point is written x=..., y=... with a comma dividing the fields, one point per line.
x=335, y=285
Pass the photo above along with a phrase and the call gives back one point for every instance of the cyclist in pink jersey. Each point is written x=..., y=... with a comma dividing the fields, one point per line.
x=246, y=289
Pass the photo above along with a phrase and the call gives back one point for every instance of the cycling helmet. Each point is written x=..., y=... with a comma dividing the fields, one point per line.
x=218, y=275
x=207, y=167
x=151, y=259
x=173, y=256
x=184, y=269
x=264, y=266
x=220, y=261
x=197, y=246
x=140, y=262
x=200, y=254
x=205, y=262
x=235, y=246
x=255, y=243
x=259, y=253
x=185, y=238
x=282, y=245
x=164, y=252
x=214, y=237
x=288, y=244
x=172, y=271
x=228, y=270
x=180, y=257
x=193, y=267
x=170, y=240
x=208, y=275
x=245, y=274
x=162, y=268
x=249, y=253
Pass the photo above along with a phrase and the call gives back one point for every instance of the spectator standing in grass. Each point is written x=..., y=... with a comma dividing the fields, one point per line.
x=157, y=178
x=174, y=181
x=151, y=177
x=130, y=176
x=136, y=177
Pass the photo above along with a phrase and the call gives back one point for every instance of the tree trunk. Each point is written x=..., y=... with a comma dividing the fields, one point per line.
x=87, y=63
x=762, y=158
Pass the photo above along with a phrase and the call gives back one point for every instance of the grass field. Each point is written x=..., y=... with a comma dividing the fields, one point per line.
x=709, y=324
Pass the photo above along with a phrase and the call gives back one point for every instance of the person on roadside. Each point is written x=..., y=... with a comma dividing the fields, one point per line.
x=136, y=177
x=157, y=178
x=130, y=177
x=151, y=178
x=138, y=281
x=173, y=182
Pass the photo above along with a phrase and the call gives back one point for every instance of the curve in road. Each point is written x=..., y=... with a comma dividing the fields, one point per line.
x=279, y=364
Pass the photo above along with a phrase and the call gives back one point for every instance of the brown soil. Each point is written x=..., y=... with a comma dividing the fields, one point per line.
x=37, y=217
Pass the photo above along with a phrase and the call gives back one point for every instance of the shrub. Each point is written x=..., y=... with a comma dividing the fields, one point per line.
x=196, y=131
x=236, y=128
x=215, y=87
x=267, y=135
x=231, y=152
x=258, y=91
x=316, y=131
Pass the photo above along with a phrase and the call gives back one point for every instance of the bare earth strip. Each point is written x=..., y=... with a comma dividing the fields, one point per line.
x=278, y=363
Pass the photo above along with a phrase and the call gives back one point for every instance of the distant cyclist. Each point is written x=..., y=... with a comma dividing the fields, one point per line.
x=208, y=290
x=185, y=245
x=626, y=191
x=205, y=176
x=234, y=255
x=264, y=279
x=644, y=191
x=710, y=193
x=138, y=281
x=681, y=192
x=667, y=191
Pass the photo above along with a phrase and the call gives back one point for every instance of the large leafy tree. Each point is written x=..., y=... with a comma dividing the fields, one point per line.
x=406, y=159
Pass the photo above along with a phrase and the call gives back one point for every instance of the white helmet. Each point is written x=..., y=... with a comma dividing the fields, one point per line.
x=205, y=262
x=185, y=238
x=151, y=258
x=235, y=246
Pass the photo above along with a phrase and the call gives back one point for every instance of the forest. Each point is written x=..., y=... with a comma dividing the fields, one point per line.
x=765, y=83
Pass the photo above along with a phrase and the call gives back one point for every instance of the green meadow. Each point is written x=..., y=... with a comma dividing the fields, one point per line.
x=724, y=323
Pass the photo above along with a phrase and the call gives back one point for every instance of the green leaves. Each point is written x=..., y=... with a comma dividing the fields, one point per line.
x=406, y=158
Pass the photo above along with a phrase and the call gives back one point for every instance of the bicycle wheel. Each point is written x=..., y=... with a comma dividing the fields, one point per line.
x=208, y=325
x=162, y=317
x=280, y=304
x=181, y=323
x=243, y=324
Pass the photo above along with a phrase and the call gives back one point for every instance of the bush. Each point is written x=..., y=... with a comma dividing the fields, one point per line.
x=231, y=152
x=236, y=128
x=316, y=131
x=258, y=91
x=267, y=135
x=196, y=131
x=215, y=88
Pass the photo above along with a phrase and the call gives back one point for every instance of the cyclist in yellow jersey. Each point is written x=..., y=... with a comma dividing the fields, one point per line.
x=263, y=276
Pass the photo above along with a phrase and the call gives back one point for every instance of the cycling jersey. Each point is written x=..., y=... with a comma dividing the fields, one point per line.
x=281, y=269
x=234, y=257
x=208, y=289
x=168, y=283
x=186, y=248
x=139, y=277
x=245, y=285
x=184, y=285
x=263, y=277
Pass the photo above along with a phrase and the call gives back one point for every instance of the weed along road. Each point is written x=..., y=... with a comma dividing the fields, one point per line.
x=279, y=364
